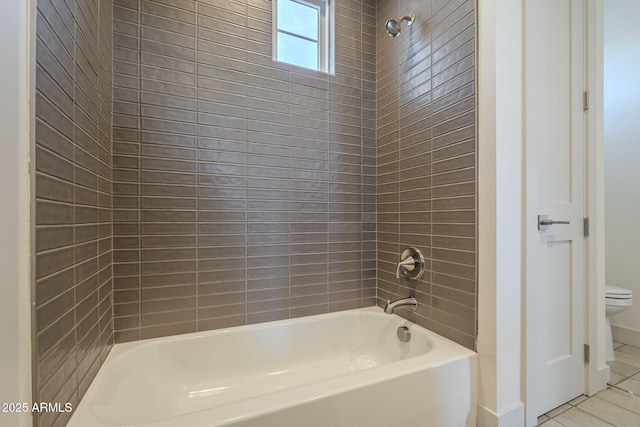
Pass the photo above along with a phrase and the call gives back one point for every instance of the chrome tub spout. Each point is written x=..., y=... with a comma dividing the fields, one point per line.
x=409, y=302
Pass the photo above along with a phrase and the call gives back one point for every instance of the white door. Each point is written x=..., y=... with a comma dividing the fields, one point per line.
x=554, y=121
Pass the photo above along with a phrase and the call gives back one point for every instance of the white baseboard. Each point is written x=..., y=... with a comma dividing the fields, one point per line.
x=514, y=417
x=626, y=335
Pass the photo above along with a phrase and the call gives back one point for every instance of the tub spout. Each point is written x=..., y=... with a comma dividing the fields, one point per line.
x=409, y=302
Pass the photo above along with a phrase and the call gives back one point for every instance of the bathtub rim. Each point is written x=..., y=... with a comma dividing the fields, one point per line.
x=121, y=348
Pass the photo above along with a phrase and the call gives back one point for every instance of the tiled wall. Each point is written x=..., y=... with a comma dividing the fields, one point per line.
x=426, y=149
x=244, y=188
x=73, y=330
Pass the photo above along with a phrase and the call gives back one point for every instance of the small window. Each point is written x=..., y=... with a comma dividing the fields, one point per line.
x=301, y=33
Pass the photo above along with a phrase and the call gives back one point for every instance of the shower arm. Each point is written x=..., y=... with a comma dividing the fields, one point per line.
x=409, y=18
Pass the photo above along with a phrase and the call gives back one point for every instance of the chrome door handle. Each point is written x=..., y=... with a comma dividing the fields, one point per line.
x=551, y=222
x=543, y=222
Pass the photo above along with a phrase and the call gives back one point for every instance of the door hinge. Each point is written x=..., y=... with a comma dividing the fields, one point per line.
x=585, y=226
x=585, y=100
x=587, y=353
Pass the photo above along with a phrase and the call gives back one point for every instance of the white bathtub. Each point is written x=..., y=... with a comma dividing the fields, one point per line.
x=341, y=369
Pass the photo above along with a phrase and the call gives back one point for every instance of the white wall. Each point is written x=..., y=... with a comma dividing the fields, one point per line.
x=622, y=152
x=500, y=399
x=15, y=113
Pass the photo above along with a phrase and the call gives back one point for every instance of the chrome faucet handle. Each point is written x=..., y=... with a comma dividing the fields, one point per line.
x=409, y=264
x=412, y=263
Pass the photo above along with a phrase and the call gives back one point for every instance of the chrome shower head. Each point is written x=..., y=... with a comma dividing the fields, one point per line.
x=393, y=26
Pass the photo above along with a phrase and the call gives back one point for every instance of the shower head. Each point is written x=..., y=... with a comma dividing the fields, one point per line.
x=393, y=26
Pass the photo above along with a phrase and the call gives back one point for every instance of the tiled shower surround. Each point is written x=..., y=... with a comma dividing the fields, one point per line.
x=73, y=330
x=244, y=190
x=426, y=157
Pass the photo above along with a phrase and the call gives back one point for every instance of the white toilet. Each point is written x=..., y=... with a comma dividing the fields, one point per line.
x=617, y=300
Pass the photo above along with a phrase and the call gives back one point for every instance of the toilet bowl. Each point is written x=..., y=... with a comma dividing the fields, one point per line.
x=617, y=300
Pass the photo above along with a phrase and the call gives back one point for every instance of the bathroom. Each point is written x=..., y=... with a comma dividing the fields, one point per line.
x=202, y=185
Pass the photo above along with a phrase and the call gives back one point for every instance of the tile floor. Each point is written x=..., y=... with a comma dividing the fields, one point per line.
x=618, y=406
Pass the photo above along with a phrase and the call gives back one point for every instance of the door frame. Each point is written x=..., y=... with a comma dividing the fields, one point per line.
x=501, y=287
x=597, y=372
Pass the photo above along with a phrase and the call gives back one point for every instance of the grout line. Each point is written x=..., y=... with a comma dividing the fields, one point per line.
x=197, y=160
x=139, y=166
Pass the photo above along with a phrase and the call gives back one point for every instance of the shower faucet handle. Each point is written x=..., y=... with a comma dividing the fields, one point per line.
x=411, y=263
x=408, y=264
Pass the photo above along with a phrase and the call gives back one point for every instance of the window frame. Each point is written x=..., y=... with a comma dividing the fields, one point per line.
x=325, y=32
